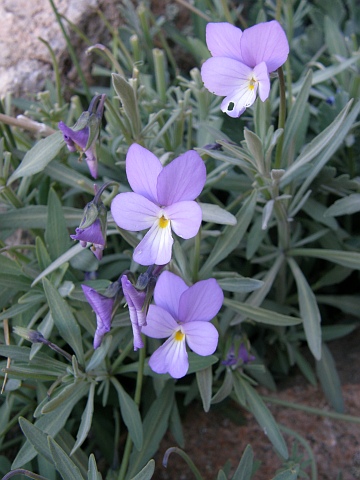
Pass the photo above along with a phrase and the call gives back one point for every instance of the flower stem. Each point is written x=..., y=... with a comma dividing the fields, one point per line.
x=282, y=116
x=122, y=356
x=195, y=275
x=187, y=459
x=137, y=398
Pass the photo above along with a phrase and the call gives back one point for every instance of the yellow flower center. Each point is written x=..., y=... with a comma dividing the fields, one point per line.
x=163, y=222
x=179, y=335
x=252, y=83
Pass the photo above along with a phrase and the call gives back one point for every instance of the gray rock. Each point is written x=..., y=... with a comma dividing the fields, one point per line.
x=25, y=61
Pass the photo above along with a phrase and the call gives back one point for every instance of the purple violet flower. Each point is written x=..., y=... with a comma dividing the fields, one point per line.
x=242, y=356
x=92, y=228
x=84, y=134
x=92, y=234
x=242, y=61
x=135, y=300
x=183, y=314
x=162, y=200
x=103, y=307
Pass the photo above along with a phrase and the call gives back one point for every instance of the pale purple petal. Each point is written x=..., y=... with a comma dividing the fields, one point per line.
x=262, y=77
x=102, y=307
x=201, y=302
x=73, y=138
x=170, y=358
x=133, y=212
x=183, y=179
x=224, y=75
x=155, y=247
x=168, y=291
x=159, y=323
x=142, y=170
x=91, y=160
x=265, y=42
x=135, y=299
x=136, y=329
x=185, y=218
x=91, y=234
x=201, y=337
x=223, y=40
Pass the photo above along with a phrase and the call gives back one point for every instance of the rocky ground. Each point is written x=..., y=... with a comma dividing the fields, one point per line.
x=222, y=434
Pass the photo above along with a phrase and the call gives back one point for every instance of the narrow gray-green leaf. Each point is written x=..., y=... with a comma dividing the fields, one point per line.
x=39, y=156
x=265, y=419
x=309, y=310
x=93, y=473
x=346, y=259
x=225, y=389
x=127, y=96
x=344, y=206
x=215, y=214
x=63, y=463
x=204, y=381
x=231, y=236
x=256, y=149
x=64, y=319
x=86, y=420
x=329, y=379
x=155, y=425
x=66, y=395
x=56, y=235
x=240, y=285
x=297, y=111
x=290, y=473
x=35, y=216
x=317, y=144
x=244, y=469
x=36, y=437
x=130, y=414
x=261, y=315
x=147, y=472
x=65, y=257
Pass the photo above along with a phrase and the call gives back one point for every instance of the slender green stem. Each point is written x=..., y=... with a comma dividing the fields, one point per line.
x=196, y=264
x=315, y=411
x=282, y=116
x=71, y=51
x=278, y=10
x=187, y=459
x=21, y=471
x=122, y=356
x=56, y=72
x=137, y=398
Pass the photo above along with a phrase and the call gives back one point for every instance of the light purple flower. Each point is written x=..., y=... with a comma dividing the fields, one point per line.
x=183, y=315
x=135, y=300
x=84, y=134
x=92, y=234
x=103, y=308
x=242, y=356
x=162, y=200
x=242, y=61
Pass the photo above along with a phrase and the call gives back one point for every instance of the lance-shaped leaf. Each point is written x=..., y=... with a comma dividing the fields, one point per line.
x=244, y=469
x=344, y=206
x=215, y=214
x=127, y=96
x=63, y=463
x=64, y=319
x=93, y=472
x=86, y=420
x=204, y=381
x=346, y=259
x=39, y=156
x=240, y=284
x=146, y=473
x=329, y=379
x=130, y=414
x=231, y=236
x=264, y=417
x=262, y=315
x=309, y=310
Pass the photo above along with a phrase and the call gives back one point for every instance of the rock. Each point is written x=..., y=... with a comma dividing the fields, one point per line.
x=25, y=62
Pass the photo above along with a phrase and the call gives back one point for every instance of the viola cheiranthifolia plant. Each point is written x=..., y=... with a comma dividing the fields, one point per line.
x=180, y=319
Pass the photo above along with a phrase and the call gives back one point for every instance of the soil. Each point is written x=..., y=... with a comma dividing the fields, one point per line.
x=211, y=439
